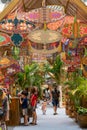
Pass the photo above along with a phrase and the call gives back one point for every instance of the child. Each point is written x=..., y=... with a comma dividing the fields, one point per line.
x=44, y=106
x=24, y=104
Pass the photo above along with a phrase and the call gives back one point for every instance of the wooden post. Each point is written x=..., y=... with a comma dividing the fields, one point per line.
x=14, y=119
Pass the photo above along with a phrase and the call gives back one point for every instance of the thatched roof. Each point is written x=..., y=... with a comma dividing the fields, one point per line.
x=72, y=7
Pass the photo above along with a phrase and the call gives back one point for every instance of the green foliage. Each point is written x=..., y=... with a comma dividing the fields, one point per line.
x=82, y=111
x=30, y=76
x=75, y=80
x=78, y=90
x=56, y=69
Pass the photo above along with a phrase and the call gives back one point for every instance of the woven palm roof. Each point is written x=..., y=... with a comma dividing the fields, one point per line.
x=72, y=7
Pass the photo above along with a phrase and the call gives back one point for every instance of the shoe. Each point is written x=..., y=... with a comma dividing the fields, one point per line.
x=26, y=124
x=34, y=124
x=55, y=114
x=31, y=123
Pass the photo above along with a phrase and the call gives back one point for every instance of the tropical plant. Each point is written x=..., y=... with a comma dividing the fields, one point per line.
x=26, y=78
x=54, y=70
x=82, y=111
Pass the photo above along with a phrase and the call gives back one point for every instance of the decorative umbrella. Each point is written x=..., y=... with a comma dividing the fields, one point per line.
x=44, y=36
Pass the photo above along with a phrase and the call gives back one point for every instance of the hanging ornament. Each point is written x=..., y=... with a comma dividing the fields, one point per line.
x=60, y=47
x=17, y=39
x=16, y=51
x=75, y=28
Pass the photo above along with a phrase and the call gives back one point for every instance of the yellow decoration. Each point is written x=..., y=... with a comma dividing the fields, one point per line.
x=45, y=26
x=81, y=67
x=63, y=55
x=59, y=47
x=4, y=61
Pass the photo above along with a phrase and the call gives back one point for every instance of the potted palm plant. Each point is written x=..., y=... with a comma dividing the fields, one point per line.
x=82, y=117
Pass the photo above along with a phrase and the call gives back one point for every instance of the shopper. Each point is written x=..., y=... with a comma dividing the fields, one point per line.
x=24, y=104
x=55, y=99
x=3, y=103
x=33, y=101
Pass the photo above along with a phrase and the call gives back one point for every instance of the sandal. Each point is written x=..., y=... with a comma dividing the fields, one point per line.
x=34, y=124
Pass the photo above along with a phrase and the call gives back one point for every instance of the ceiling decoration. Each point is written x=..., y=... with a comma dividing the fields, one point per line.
x=58, y=24
x=6, y=62
x=16, y=25
x=72, y=7
x=13, y=69
x=44, y=51
x=16, y=39
x=42, y=36
x=4, y=39
x=45, y=14
x=1, y=76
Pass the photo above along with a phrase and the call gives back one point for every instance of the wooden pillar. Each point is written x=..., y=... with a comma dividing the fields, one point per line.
x=14, y=119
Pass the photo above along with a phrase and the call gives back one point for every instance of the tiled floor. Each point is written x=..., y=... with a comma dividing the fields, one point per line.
x=51, y=122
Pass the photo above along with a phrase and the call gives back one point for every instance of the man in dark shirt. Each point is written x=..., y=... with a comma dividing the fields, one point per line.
x=55, y=99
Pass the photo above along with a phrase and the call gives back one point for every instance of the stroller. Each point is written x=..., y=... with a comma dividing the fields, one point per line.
x=2, y=120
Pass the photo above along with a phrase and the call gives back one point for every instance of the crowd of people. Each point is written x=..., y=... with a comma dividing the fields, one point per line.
x=28, y=101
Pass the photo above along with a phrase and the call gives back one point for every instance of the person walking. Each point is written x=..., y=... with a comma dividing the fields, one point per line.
x=55, y=99
x=44, y=106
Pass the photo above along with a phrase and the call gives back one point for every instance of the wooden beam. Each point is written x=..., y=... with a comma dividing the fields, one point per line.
x=9, y=8
x=81, y=5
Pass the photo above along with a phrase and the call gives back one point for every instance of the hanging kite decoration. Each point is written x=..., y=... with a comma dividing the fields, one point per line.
x=45, y=14
x=16, y=39
x=16, y=25
x=4, y=39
